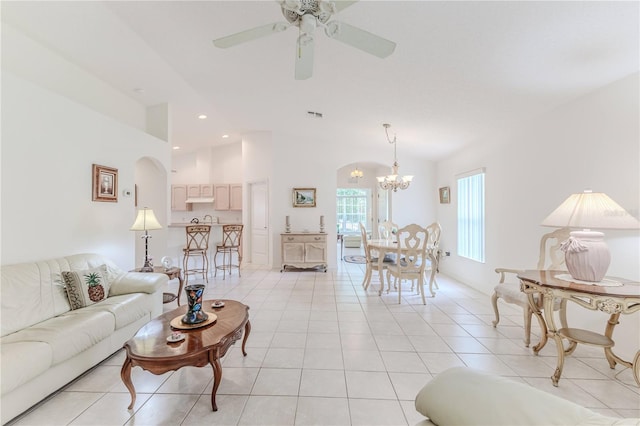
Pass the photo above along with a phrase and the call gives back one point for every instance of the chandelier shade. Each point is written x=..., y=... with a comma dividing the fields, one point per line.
x=357, y=173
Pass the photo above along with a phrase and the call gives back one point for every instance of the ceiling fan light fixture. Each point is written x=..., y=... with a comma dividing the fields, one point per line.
x=307, y=15
x=292, y=5
x=332, y=29
x=328, y=7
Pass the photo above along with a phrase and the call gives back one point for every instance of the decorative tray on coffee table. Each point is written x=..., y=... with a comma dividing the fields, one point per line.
x=177, y=322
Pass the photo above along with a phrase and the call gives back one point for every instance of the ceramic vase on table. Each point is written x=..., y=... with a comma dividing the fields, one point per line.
x=195, y=314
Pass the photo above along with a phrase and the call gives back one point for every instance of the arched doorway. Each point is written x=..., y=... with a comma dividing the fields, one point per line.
x=151, y=190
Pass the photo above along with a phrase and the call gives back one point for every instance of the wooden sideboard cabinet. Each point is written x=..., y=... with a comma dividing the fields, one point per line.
x=303, y=250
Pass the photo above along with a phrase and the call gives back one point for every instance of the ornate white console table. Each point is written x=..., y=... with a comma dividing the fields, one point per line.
x=623, y=298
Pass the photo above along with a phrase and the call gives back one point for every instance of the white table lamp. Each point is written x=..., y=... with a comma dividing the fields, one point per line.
x=586, y=253
x=146, y=221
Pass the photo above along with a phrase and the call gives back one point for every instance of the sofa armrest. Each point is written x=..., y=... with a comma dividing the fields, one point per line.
x=138, y=282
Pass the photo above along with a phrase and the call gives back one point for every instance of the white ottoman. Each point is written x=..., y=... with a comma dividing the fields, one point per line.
x=464, y=396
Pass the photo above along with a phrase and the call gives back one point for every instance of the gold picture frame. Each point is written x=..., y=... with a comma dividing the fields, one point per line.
x=304, y=197
x=445, y=195
x=105, y=184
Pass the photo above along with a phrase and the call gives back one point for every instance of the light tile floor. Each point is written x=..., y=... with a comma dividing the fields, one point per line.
x=322, y=351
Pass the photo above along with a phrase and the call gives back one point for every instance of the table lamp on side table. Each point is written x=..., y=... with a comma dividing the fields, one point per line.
x=146, y=221
x=586, y=253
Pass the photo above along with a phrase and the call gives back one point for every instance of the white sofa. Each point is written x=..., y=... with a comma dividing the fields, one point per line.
x=45, y=344
x=464, y=396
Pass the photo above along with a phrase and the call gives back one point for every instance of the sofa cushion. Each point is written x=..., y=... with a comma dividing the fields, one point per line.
x=68, y=334
x=23, y=361
x=126, y=309
x=464, y=396
x=86, y=287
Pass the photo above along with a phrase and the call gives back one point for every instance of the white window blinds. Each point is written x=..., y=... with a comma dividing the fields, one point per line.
x=471, y=215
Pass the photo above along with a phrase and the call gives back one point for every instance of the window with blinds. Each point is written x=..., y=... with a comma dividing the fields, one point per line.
x=471, y=215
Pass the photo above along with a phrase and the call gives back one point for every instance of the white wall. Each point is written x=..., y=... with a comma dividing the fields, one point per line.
x=52, y=132
x=592, y=142
x=313, y=163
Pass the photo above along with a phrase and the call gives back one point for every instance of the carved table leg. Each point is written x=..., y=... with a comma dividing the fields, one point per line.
x=535, y=309
x=125, y=375
x=217, y=376
x=613, y=321
x=247, y=330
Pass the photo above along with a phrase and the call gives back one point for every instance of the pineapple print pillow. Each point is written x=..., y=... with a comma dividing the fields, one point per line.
x=86, y=287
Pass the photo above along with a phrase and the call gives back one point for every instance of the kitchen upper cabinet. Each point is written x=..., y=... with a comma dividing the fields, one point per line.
x=206, y=190
x=193, y=191
x=228, y=196
x=179, y=195
x=221, y=197
x=235, y=196
x=200, y=190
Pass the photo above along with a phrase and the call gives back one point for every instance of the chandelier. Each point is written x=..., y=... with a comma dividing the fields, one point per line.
x=393, y=181
x=357, y=174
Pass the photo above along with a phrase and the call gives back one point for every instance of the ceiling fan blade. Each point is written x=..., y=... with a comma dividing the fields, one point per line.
x=360, y=39
x=343, y=4
x=304, y=57
x=248, y=35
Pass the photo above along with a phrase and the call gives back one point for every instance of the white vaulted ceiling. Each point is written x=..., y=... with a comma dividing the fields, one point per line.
x=460, y=70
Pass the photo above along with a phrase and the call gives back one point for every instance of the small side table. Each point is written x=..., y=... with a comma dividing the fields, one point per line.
x=173, y=273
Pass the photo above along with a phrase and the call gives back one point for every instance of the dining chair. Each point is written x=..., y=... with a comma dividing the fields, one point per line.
x=411, y=258
x=433, y=246
x=198, y=246
x=386, y=229
x=371, y=261
x=508, y=289
x=231, y=243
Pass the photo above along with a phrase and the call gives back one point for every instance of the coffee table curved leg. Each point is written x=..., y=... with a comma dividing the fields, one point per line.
x=217, y=376
x=247, y=330
x=125, y=375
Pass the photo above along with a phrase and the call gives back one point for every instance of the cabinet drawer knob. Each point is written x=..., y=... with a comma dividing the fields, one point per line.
x=317, y=238
x=290, y=238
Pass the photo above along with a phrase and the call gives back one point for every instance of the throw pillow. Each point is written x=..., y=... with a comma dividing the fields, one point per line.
x=86, y=287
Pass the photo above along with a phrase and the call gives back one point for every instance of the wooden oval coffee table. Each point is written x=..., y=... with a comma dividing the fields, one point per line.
x=150, y=350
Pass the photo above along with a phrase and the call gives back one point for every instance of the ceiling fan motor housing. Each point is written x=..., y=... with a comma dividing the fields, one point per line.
x=294, y=9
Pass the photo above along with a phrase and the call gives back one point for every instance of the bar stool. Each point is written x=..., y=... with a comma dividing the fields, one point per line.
x=197, y=245
x=231, y=243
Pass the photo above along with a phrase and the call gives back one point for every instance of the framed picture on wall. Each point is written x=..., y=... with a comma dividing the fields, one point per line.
x=445, y=193
x=105, y=183
x=304, y=197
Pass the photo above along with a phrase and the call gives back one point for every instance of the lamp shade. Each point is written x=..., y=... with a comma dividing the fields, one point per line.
x=145, y=220
x=591, y=210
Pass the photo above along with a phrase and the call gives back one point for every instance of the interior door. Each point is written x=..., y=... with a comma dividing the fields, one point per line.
x=259, y=223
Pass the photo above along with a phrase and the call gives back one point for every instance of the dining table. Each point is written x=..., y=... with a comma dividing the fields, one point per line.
x=388, y=246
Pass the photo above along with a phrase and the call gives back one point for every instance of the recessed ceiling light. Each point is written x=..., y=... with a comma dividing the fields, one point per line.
x=176, y=147
x=225, y=136
x=315, y=114
x=202, y=116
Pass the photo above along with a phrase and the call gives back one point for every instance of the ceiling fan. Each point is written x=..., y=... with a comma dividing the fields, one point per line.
x=307, y=15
